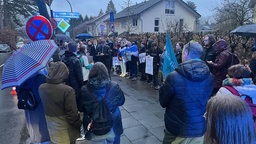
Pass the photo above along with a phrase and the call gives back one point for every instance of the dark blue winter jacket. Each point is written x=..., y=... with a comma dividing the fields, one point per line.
x=184, y=94
x=115, y=98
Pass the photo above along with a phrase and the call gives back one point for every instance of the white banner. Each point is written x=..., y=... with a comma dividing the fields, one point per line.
x=115, y=61
x=142, y=57
x=149, y=65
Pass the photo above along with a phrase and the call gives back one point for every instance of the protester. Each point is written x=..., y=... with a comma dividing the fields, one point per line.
x=252, y=65
x=35, y=119
x=142, y=59
x=178, y=48
x=60, y=107
x=121, y=57
x=239, y=79
x=209, y=53
x=134, y=60
x=86, y=66
x=223, y=61
x=229, y=121
x=75, y=77
x=100, y=87
x=184, y=95
x=155, y=52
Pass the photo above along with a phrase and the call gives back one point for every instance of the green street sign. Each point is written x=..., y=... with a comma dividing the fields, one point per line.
x=63, y=25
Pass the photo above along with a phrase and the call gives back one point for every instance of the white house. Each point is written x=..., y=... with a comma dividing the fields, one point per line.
x=157, y=16
x=96, y=26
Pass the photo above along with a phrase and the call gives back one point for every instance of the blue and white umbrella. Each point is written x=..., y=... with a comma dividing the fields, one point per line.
x=26, y=61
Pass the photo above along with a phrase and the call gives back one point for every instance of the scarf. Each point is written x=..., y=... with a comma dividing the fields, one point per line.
x=236, y=82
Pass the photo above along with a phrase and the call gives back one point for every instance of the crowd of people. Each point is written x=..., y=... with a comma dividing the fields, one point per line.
x=200, y=107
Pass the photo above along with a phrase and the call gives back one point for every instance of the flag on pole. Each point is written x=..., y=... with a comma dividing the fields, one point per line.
x=170, y=61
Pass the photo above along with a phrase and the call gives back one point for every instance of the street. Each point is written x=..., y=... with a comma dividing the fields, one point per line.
x=142, y=116
x=12, y=120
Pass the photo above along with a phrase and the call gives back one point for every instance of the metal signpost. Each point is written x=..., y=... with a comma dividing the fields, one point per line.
x=38, y=28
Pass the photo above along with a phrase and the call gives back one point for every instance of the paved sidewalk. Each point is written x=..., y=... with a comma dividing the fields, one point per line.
x=142, y=115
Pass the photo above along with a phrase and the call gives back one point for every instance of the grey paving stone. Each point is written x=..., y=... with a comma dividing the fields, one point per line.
x=134, y=108
x=140, y=115
x=135, y=133
x=130, y=122
x=152, y=122
x=124, y=140
x=154, y=108
x=158, y=132
x=125, y=114
x=129, y=101
x=160, y=114
x=147, y=140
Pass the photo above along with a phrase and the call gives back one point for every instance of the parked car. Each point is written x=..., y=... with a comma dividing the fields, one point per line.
x=19, y=44
x=5, y=48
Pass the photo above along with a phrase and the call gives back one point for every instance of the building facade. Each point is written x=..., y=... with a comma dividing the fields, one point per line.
x=157, y=16
x=148, y=16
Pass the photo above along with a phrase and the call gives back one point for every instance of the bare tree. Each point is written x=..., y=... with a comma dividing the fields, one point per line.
x=233, y=13
x=174, y=26
x=129, y=21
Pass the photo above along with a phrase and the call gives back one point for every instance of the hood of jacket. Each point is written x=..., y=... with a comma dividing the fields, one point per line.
x=57, y=72
x=194, y=70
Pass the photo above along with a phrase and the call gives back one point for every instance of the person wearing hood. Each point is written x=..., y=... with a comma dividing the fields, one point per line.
x=59, y=102
x=100, y=87
x=224, y=59
x=75, y=77
x=184, y=95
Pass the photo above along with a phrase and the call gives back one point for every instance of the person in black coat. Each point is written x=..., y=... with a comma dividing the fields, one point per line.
x=252, y=66
x=75, y=78
x=155, y=52
x=209, y=53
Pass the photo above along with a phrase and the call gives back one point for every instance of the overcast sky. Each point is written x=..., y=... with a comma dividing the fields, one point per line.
x=92, y=7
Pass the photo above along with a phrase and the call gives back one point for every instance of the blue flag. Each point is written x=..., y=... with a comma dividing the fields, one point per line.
x=170, y=61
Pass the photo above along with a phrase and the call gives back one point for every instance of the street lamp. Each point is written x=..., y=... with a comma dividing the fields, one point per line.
x=70, y=5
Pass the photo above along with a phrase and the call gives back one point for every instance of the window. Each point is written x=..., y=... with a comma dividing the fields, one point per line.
x=134, y=22
x=181, y=25
x=156, y=25
x=169, y=7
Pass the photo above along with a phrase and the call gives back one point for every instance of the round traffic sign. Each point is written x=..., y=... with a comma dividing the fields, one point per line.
x=53, y=23
x=38, y=28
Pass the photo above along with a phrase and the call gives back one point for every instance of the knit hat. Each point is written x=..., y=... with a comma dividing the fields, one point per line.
x=72, y=47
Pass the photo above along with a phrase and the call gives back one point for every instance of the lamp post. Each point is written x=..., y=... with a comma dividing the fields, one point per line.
x=70, y=5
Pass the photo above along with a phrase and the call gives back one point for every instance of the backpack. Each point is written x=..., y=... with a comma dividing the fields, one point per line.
x=234, y=60
x=246, y=98
x=26, y=99
x=101, y=119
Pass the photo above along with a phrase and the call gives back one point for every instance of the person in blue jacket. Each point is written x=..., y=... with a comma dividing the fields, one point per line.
x=35, y=119
x=184, y=95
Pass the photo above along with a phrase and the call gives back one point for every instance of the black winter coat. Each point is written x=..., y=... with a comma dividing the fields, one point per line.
x=184, y=94
x=75, y=77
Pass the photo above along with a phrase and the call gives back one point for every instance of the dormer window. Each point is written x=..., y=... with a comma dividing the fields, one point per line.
x=169, y=7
